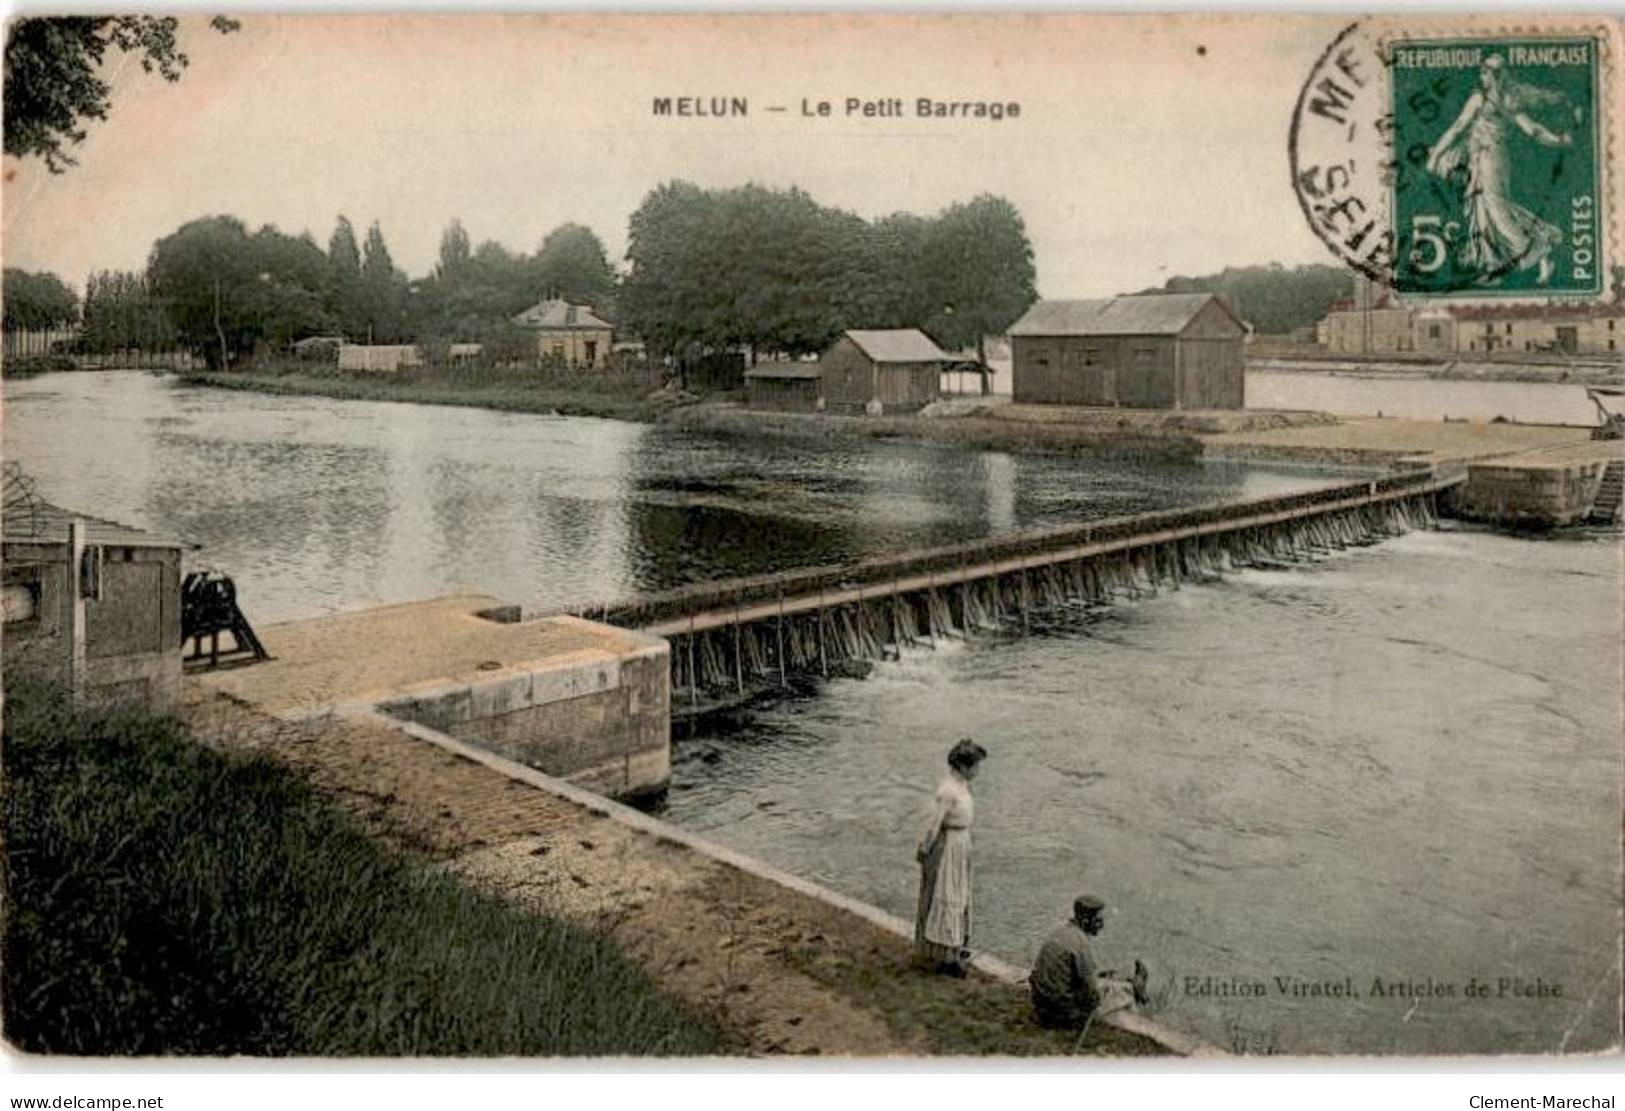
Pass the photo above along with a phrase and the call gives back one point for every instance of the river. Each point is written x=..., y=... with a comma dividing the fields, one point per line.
x=316, y=506
x=1400, y=763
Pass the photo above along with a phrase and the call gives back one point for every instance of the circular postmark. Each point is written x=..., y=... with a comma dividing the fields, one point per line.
x=1456, y=163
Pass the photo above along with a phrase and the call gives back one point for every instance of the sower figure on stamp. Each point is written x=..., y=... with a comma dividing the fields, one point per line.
x=942, y=923
x=1069, y=991
x=1502, y=235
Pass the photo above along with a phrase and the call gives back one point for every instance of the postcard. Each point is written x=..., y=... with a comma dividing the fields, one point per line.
x=864, y=535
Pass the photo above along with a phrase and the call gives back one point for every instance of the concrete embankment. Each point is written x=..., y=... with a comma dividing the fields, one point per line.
x=789, y=967
x=1592, y=370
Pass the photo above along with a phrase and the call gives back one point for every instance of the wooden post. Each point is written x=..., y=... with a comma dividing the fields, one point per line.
x=74, y=618
x=1024, y=625
x=779, y=629
x=823, y=660
x=693, y=676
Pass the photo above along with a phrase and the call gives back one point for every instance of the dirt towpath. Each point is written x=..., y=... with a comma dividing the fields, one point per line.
x=784, y=973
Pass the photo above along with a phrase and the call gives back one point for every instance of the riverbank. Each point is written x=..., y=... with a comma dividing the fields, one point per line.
x=567, y=394
x=779, y=971
x=179, y=892
x=1162, y=434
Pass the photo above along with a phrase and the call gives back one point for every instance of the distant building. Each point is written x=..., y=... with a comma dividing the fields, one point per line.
x=787, y=387
x=896, y=370
x=1572, y=330
x=1389, y=327
x=568, y=334
x=1154, y=351
x=319, y=349
x=382, y=358
x=1382, y=328
x=104, y=617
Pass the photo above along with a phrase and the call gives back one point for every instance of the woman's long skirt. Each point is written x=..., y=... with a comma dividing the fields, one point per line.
x=942, y=923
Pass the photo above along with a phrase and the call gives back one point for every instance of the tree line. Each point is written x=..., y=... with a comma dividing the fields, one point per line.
x=772, y=271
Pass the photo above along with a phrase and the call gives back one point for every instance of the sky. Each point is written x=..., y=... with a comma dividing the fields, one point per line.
x=1146, y=146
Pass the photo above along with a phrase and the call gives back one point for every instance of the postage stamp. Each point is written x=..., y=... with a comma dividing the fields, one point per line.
x=1497, y=184
x=1466, y=166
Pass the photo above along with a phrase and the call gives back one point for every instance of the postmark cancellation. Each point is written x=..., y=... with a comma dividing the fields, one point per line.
x=1464, y=162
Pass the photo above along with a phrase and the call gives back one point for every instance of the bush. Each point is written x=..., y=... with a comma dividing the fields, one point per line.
x=164, y=898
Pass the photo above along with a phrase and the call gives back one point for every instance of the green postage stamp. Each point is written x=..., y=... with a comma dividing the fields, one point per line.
x=1465, y=165
x=1497, y=187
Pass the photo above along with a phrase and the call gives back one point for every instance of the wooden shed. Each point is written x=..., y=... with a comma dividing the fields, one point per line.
x=1152, y=351
x=787, y=387
x=897, y=370
x=91, y=604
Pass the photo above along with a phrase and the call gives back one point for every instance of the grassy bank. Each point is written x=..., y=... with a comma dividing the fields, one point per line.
x=504, y=389
x=165, y=898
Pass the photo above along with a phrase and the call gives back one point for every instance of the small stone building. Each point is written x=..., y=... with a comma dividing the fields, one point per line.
x=1152, y=351
x=894, y=371
x=570, y=335
x=786, y=387
x=102, y=616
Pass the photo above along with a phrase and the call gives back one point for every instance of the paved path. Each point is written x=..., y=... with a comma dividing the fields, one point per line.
x=369, y=654
x=1384, y=440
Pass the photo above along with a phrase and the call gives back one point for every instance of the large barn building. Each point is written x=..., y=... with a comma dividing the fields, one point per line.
x=891, y=371
x=1152, y=351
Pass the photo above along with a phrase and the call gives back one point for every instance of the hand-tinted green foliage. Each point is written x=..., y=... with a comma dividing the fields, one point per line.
x=228, y=292
x=164, y=898
x=35, y=302
x=122, y=314
x=1272, y=298
x=978, y=266
x=571, y=263
x=774, y=271
x=51, y=81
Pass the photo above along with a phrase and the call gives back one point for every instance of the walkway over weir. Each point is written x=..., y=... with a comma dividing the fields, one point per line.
x=737, y=633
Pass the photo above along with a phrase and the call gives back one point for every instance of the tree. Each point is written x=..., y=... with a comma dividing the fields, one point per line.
x=978, y=268
x=51, y=81
x=384, y=290
x=121, y=313
x=344, y=299
x=35, y=302
x=455, y=252
x=229, y=293
x=571, y=263
x=669, y=297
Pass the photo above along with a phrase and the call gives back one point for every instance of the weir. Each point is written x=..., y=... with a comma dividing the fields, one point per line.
x=734, y=638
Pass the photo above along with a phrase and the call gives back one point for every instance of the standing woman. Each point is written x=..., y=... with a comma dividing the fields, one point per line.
x=942, y=924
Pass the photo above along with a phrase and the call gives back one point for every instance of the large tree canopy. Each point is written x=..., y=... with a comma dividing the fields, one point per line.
x=229, y=292
x=978, y=266
x=35, y=302
x=773, y=271
x=52, y=83
x=572, y=263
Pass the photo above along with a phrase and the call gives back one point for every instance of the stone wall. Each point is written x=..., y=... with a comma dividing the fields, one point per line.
x=597, y=719
x=1529, y=494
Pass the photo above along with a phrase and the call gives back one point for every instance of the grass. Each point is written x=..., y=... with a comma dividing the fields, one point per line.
x=165, y=898
x=508, y=389
x=973, y=1017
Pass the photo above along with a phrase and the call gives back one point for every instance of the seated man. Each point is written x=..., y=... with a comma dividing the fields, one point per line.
x=1068, y=991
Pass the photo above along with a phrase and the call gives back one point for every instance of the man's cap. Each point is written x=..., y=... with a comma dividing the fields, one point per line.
x=1088, y=904
x=966, y=753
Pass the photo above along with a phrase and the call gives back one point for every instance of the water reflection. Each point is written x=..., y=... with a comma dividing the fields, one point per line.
x=316, y=505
